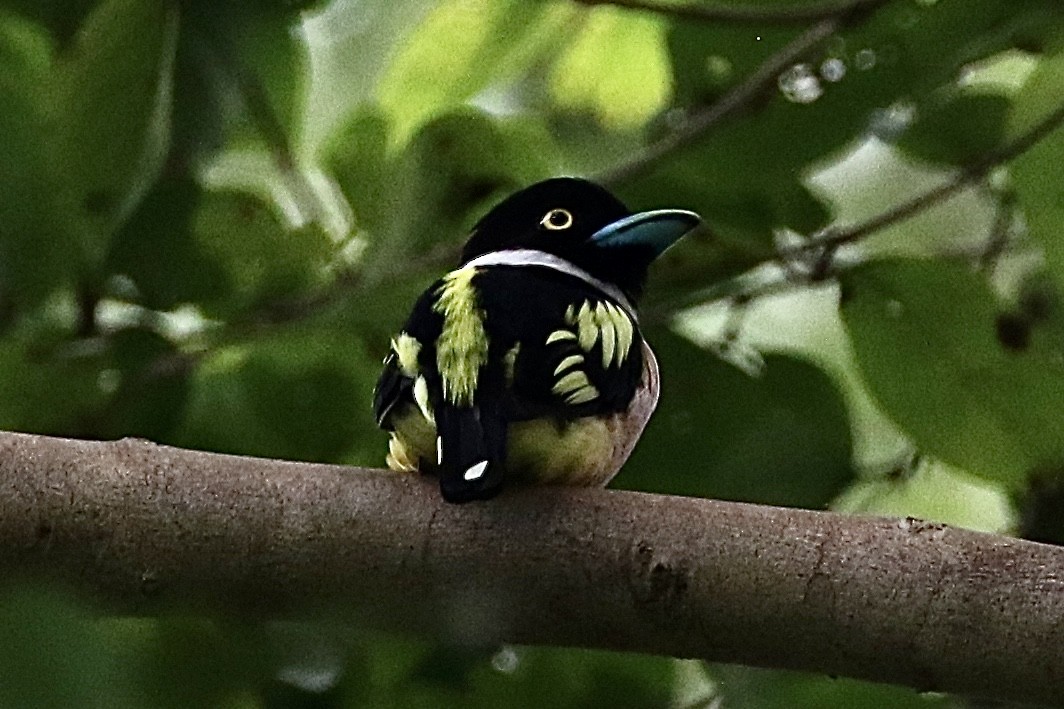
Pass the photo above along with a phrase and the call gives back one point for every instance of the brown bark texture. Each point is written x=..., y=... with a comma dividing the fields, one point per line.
x=147, y=528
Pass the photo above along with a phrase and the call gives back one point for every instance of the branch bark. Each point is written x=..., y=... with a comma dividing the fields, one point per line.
x=148, y=528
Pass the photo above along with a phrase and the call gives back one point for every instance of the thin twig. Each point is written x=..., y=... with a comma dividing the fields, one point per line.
x=740, y=13
x=999, y=234
x=832, y=238
x=741, y=96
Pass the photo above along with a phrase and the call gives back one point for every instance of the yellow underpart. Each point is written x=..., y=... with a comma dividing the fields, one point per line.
x=568, y=363
x=413, y=439
x=559, y=335
x=462, y=348
x=579, y=453
x=406, y=350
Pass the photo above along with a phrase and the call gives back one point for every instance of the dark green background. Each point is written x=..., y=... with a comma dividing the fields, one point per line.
x=214, y=214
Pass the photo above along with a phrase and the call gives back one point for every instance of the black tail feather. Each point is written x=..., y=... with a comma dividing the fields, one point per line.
x=471, y=450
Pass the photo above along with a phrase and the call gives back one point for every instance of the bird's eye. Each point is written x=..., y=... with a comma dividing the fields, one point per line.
x=557, y=219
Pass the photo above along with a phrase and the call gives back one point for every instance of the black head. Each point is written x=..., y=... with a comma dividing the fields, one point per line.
x=583, y=223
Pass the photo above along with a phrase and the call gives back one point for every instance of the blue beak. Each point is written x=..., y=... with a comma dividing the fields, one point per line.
x=656, y=230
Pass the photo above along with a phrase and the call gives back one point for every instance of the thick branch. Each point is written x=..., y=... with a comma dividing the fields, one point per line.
x=147, y=527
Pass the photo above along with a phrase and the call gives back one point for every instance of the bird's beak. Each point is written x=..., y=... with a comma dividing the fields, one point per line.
x=656, y=230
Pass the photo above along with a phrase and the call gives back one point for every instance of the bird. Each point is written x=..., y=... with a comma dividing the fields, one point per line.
x=526, y=363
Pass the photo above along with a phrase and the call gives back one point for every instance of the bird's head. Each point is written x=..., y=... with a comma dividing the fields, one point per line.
x=584, y=224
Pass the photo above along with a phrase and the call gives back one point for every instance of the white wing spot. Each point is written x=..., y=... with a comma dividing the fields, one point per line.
x=474, y=472
x=439, y=450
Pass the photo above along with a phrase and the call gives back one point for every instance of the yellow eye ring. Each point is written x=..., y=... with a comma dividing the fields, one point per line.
x=557, y=219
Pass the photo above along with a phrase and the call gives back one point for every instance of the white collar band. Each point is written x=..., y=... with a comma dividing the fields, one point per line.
x=534, y=257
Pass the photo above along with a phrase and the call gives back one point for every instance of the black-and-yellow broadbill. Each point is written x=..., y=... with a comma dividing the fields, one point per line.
x=526, y=363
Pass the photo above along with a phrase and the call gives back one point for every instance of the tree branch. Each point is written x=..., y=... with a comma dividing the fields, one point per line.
x=148, y=527
x=742, y=95
x=832, y=238
x=777, y=15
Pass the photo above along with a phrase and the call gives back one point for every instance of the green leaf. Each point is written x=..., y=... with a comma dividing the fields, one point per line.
x=934, y=492
x=34, y=248
x=758, y=159
x=780, y=438
x=302, y=395
x=48, y=383
x=357, y=158
x=353, y=57
x=616, y=68
x=112, y=114
x=774, y=689
x=1036, y=173
x=389, y=673
x=151, y=380
x=450, y=172
x=225, y=251
x=461, y=48
x=158, y=250
x=959, y=129
x=61, y=17
x=242, y=76
x=261, y=258
x=51, y=654
x=930, y=345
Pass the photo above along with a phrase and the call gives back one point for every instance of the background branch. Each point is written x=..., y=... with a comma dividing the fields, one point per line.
x=148, y=527
x=832, y=238
x=779, y=15
x=741, y=96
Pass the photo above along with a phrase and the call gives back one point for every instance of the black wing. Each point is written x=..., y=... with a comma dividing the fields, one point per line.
x=574, y=351
x=392, y=389
x=410, y=351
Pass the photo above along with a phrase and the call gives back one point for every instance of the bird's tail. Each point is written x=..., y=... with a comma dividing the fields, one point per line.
x=471, y=449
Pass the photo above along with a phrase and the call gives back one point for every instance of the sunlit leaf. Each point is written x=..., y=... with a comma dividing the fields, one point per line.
x=616, y=69
x=934, y=492
x=461, y=48
x=1040, y=195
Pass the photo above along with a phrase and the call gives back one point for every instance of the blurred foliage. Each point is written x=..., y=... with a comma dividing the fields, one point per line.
x=214, y=214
